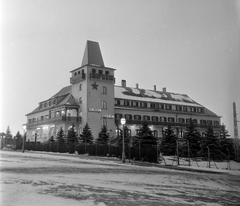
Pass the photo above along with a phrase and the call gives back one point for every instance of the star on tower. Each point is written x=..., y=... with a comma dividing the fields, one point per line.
x=95, y=86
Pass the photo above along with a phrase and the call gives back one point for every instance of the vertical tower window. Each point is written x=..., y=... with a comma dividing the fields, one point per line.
x=80, y=87
x=104, y=121
x=104, y=90
x=104, y=105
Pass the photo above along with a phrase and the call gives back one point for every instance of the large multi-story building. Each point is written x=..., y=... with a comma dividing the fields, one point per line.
x=93, y=98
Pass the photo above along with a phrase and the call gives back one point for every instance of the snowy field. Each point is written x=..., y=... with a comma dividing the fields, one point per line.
x=35, y=178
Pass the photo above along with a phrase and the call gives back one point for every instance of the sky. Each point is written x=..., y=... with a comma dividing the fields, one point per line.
x=190, y=47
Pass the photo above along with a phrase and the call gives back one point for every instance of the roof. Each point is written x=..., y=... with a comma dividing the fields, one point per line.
x=92, y=54
x=63, y=91
x=154, y=96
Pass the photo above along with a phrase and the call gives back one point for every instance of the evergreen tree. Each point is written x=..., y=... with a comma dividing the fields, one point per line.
x=145, y=134
x=61, y=136
x=213, y=142
x=227, y=144
x=103, y=136
x=18, y=136
x=51, y=139
x=86, y=135
x=8, y=133
x=194, y=138
x=168, y=144
x=72, y=135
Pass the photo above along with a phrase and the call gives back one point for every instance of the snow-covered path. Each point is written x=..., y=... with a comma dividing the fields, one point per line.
x=46, y=179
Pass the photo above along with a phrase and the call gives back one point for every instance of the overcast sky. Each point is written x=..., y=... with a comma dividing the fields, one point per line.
x=189, y=46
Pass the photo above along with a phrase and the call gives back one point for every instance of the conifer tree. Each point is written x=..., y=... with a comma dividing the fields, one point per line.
x=168, y=144
x=61, y=136
x=86, y=135
x=8, y=133
x=213, y=143
x=18, y=136
x=194, y=138
x=103, y=136
x=72, y=135
x=145, y=134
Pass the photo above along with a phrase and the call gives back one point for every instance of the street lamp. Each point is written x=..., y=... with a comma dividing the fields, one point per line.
x=123, y=122
x=24, y=132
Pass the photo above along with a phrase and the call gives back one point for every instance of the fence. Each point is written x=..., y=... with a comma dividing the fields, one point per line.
x=140, y=152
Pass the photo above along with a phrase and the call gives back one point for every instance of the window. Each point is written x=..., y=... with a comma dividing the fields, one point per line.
x=155, y=133
x=168, y=106
x=146, y=118
x=80, y=87
x=79, y=72
x=143, y=104
x=181, y=120
x=203, y=122
x=45, y=104
x=54, y=101
x=40, y=106
x=185, y=109
x=153, y=105
x=100, y=72
x=194, y=109
x=75, y=73
x=107, y=72
x=104, y=121
x=188, y=121
x=104, y=105
x=134, y=104
x=161, y=106
x=216, y=122
x=137, y=117
x=118, y=116
x=117, y=102
x=178, y=108
x=50, y=103
x=209, y=122
x=126, y=103
x=128, y=116
x=93, y=71
x=104, y=90
x=171, y=119
x=200, y=110
x=194, y=121
x=163, y=119
x=154, y=118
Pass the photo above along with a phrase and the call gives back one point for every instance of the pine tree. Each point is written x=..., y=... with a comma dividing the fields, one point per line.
x=18, y=136
x=86, y=135
x=72, y=135
x=227, y=144
x=168, y=144
x=194, y=138
x=51, y=139
x=8, y=133
x=103, y=136
x=61, y=136
x=213, y=143
x=145, y=134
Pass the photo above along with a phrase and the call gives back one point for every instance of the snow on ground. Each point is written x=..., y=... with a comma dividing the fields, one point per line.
x=38, y=178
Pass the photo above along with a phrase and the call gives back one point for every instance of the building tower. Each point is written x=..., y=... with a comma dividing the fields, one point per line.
x=236, y=139
x=93, y=89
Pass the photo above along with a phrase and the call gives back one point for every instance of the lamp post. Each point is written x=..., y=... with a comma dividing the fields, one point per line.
x=123, y=122
x=24, y=133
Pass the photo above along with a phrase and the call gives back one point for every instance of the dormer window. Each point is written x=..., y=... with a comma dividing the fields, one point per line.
x=45, y=104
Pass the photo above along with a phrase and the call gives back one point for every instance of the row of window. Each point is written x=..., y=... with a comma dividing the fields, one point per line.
x=164, y=119
x=94, y=71
x=47, y=104
x=156, y=106
x=79, y=72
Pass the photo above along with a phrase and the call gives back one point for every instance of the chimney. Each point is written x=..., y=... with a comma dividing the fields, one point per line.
x=164, y=89
x=137, y=86
x=155, y=88
x=124, y=84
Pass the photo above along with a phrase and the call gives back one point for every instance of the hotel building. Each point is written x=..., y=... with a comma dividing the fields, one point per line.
x=92, y=97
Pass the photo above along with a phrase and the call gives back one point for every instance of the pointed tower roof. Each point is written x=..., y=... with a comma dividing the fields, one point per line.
x=92, y=54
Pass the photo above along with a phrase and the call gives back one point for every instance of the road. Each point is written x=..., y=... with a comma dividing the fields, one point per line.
x=47, y=179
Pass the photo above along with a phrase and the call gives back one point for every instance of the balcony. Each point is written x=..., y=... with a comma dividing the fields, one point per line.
x=101, y=76
x=54, y=120
x=172, y=124
x=77, y=78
